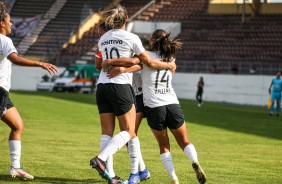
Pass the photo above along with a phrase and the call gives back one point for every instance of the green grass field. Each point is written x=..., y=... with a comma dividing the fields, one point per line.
x=235, y=144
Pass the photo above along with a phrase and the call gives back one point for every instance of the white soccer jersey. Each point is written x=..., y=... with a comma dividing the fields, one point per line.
x=6, y=48
x=137, y=83
x=119, y=43
x=157, y=88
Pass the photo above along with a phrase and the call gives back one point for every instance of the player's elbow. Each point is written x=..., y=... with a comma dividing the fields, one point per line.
x=131, y=62
x=135, y=61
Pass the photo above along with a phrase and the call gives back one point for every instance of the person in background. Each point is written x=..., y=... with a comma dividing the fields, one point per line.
x=276, y=85
x=8, y=112
x=200, y=90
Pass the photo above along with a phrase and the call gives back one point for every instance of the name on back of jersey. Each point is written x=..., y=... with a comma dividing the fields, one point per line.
x=162, y=91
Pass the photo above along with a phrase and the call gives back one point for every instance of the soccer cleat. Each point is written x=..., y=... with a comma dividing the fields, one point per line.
x=201, y=176
x=134, y=178
x=20, y=173
x=100, y=166
x=144, y=175
x=174, y=182
x=115, y=180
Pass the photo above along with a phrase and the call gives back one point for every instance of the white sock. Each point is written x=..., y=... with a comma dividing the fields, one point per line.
x=167, y=161
x=115, y=144
x=15, y=153
x=105, y=139
x=190, y=151
x=134, y=153
x=142, y=165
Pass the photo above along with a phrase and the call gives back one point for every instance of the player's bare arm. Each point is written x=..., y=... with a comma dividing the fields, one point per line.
x=124, y=62
x=115, y=71
x=156, y=64
x=98, y=60
x=17, y=60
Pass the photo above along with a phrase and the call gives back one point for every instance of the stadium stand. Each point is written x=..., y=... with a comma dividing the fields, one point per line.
x=218, y=43
x=222, y=43
x=23, y=9
x=133, y=6
x=58, y=30
x=83, y=49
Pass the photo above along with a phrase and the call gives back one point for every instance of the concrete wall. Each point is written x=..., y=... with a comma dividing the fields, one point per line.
x=147, y=28
x=25, y=78
x=239, y=89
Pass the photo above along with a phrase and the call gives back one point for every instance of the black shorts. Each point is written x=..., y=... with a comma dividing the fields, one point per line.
x=139, y=103
x=5, y=102
x=114, y=98
x=163, y=117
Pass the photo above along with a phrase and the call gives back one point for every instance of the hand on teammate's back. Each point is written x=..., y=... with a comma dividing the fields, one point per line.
x=114, y=71
x=105, y=65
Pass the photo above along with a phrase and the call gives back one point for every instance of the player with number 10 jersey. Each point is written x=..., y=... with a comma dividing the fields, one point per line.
x=118, y=44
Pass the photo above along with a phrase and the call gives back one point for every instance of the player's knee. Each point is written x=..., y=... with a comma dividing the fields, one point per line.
x=18, y=128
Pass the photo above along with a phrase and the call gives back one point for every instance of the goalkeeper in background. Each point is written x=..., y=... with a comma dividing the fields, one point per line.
x=276, y=85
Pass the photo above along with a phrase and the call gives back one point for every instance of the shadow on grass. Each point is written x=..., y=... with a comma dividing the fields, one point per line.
x=51, y=180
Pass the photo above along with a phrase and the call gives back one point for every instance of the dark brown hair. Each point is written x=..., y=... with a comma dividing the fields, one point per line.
x=103, y=26
x=163, y=44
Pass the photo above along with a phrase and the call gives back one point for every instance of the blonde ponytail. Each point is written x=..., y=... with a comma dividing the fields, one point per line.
x=115, y=16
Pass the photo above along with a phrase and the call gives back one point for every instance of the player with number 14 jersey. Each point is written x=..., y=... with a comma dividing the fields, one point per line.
x=160, y=92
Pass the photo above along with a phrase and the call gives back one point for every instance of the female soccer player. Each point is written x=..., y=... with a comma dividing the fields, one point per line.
x=144, y=174
x=8, y=112
x=162, y=107
x=109, y=127
x=115, y=96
